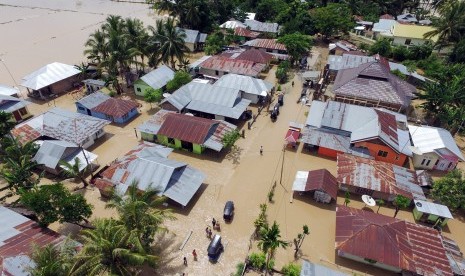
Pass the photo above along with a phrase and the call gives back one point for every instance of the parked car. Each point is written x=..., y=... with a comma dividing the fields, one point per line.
x=215, y=248
x=228, y=212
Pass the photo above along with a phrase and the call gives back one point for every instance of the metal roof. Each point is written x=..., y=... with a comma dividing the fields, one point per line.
x=93, y=99
x=11, y=104
x=378, y=176
x=59, y=124
x=51, y=152
x=433, y=208
x=153, y=124
x=312, y=269
x=198, y=62
x=346, y=61
x=431, y=139
x=232, y=65
x=247, y=84
x=192, y=36
x=232, y=24
x=413, y=31
x=241, y=31
x=49, y=74
x=254, y=55
x=158, y=77
x=403, y=69
x=266, y=44
x=384, y=26
x=202, y=37
x=151, y=169
x=263, y=27
x=321, y=180
x=408, y=246
x=8, y=90
x=311, y=75
x=187, y=128
x=94, y=82
x=116, y=107
x=407, y=17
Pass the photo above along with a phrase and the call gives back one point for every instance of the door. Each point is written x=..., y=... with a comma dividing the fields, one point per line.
x=17, y=116
x=442, y=165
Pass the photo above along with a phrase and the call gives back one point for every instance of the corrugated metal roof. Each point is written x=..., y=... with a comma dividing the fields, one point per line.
x=94, y=82
x=266, y=44
x=311, y=75
x=202, y=37
x=10, y=104
x=59, y=124
x=378, y=176
x=93, y=99
x=198, y=62
x=322, y=180
x=241, y=31
x=401, y=244
x=192, y=36
x=255, y=55
x=346, y=61
x=403, y=69
x=413, y=31
x=247, y=84
x=433, y=208
x=49, y=74
x=312, y=269
x=232, y=24
x=153, y=124
x=326, y=139
x=115, y=107
x=187, y=128
x=158, y=77
x=8, y=90
x=384, y=26
x=52, y=151
x=263, y=27
x=232, y=65
x=430, y=139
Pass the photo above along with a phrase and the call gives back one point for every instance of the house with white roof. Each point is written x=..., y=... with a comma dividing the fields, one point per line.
x=156, y=79
x=383, y=27
x=434, y=148
x=252, y=89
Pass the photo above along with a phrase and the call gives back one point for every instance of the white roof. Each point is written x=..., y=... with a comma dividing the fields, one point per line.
x=232, y=24
x=250, y=15
x=384, y=26
x=247, y=84
x=432, y=208
x=158, y=77
x=428, y=139
x=300, y=181
x=49, y=74
x=8, y=90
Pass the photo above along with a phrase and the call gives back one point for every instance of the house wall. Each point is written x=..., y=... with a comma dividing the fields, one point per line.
x=169, y=106
x=362, y=260
x=178, y=144
x=252, y=97
x=81, y=109
x=149, y=137
x=191, y=46
x=91, y=139
x=328, y=152
x=132, y=113
x=64, y=85
x=20, y=115
x=210, y=72
x=140, y=87
x=364, y=191
x=392, y=156
x=418, y=159
x=368, y=103
x=414, y=41
x=431, y=218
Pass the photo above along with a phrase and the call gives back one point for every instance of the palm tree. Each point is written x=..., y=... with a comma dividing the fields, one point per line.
x=109, y=250
x=171, y=41
x=401, y=202
x=18, y=175
x=192, y=14
x=141, y=212
x=96, y=47
x=12, y=149
x=450, y=28
x=270, y=240
x=138, y=38
x=52, y=260
x=74, y=170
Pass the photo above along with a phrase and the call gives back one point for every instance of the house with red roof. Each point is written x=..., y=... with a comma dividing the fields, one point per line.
x=102, y=106
x=271, y=46
x=245, y=34
x=392, y=244
x=321, y=183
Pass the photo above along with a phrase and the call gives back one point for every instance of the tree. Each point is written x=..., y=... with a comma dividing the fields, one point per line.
x=400, y=202
x=54, y=202
x=282, y=71
x=109, y=250
x=297, y=45
x=380, y=203
x=300, y=239
x=458, y=53
x=53, y=260
x=332, y=19
x=346, y=198
x=140, y=212
x=214, y=43
x=381, y=47
x=180, y=78
x=262, y=219
x=270, y=240
x=400, y=53
x=96, y=46
x=230, y=138
x=170, y=40
x=420, y=52
x=18, y=175
x=153, y=96
x=450, y=189
x=268, y=10
x=6, y=123
x=291, y=269
x=74, y=170
x=450, y=28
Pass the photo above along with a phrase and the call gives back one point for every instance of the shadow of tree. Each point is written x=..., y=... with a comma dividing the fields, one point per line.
x=234, y=155
x=170, y=262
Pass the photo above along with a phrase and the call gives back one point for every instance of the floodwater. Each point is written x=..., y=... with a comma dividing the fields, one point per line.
x=39, y=32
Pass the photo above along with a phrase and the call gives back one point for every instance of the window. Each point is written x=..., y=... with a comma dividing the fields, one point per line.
x=450, y=165
x=109, y=117
x=23, y=111
x=81, y=108
x=138, y=89
x=423, y=162
x=408, y=41
x=125, y=116
x=382, y=153
x=437, y=161
x=217, y=73
x=427, y=163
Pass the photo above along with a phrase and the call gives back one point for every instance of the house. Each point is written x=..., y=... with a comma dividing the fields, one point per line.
x=100, y=105
x=346, y=61
x=394, y=245
x=434, y=148
x=407, y=18
x=156, y=79
x=383, y=28
x=341, y=47
x=430, y=212
x=252, y=89
x=321, y=183
x=148, y=164
x=377, y=179
x=60, y=124
x=194, y=39
x=407, y=35
x=334, y=127
x=372, y=84
x=271, y=46
x=232, y=24
x=411, y=77
x=312, y=269
x=217, y=66
x=17, y=107
x=252, y=55
x=245, y=34
x=211, y=101
x=51, y=80
x=6, y=90
x=181, y=131
x=17, y=238
x=262, y=27
x=51, y=152
x=93, y=85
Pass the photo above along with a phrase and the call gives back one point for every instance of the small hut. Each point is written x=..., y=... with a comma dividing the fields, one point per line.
x=430, y=212
x=321, y=183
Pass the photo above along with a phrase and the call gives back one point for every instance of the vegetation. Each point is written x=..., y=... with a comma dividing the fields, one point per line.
x=262, y=219
x=153, y=96
x=6, y=123
x=333, y=19
x=74, y=170
x=282, y=72
x=382, y=47
x=270, y=240
x=380, y=203
x=346, y=198
x=400, y=202
x=257, y=260
x=291, y=269
x=239, y=269
x=450, y=190
x=217, y=40
x=53, y=260
x=297, y=45
x=180, y=78
x=300, y=239
x=230, y=138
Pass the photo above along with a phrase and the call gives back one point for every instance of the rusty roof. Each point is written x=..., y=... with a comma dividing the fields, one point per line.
x=322, y=180
x=255, y=55
x=232, y=65
x=378, y=176
x=115, y=107
x=390, y=241
x=240, y=31
x=266, y=44
x=187, y=128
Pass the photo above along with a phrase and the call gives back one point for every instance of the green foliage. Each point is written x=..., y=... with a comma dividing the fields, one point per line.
x=380, y=203
x=364, y=46
x=53, y=260
x=180, y=78
x=398, y=73
x=230, y=138
x=291, y=269
x=420, y=52
x=214, y=43
x=6, y=123
x=268, y=10
x=170, y=41
x=239, y=268
x=400, y=53
x=270, y=240
x=333, y=19
x=401, y=202
x=458, y=53
x=257, y=260
x=262, y=219
x=346, y=198
x=296, y=44
x=294, y=17
x=55, y=203
x=270, y=196
x=279, y=87
x=153, y=96
x=300, y=239
x=74, y=170
x=282, y=72
x=450, y=190
x=450, y=27
x=382, y=47
x=112, y=94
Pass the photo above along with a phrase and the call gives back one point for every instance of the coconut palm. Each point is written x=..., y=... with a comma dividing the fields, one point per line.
x=12, y=149
x=18, y=175
x=270, y=240
x=450, y=28
x=74, y=170
x=137, y=37
x=171, y=41
x=96, y=46
x=109, y=250
x=140, y=211
x=192, y=14
x=52, y=260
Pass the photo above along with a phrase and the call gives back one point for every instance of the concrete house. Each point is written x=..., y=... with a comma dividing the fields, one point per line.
x=194, y=39
x=17, y=107
x=430, y=212
x=252, y=89
x=383, y=28
x=156, y=79
x=408, y=35
x=60, y=124
x=185, y=132
x=434, y=148
x=93, y=85
x=100, y=105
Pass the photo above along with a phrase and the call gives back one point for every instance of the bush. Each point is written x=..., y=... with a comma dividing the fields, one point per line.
x=400, y=53
x=291, y=269
x=257, y=260
x=230, y=138
x=239, y=269
x=153, y=96
x=382, y=47
x=112, y=94
x=180, y=78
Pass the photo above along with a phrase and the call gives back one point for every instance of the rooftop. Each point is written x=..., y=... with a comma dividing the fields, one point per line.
x=241, y=31
x=413, y=31
x=158, y=77
x=93, y=99
x=232, y=24
x=254, y=55
x=115, y=107
x=10, y=104
x=49, y=74
x=245, y=83
x=8, y=90
x=433, y=208
x=266, y=44
x=232, y=65
x=346, y=61
x=317, y=180
x=263, y=27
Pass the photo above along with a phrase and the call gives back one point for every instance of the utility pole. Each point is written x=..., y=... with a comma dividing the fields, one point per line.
x=282, y=165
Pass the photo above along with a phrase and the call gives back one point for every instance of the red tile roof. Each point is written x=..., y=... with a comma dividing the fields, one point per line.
x=378, y=176
x=239, y=31
x=322, y=180
x=397, y=243
x=255, y=55
x=187, y=128
x=115, y=107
